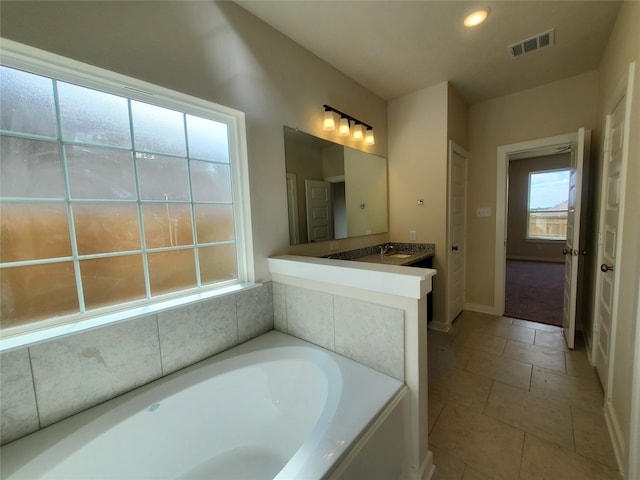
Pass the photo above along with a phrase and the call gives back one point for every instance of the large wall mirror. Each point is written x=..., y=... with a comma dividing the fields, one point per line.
x=333, y=191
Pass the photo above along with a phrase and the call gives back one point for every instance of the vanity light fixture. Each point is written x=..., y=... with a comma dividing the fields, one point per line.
x=368, y=137
x=476, y=17
x=359, y=132
x=329, y=121
x=343, y=129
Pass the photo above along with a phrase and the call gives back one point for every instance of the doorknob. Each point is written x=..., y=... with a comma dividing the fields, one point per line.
x=454, y=248
x=606, y=268
x=565, y=251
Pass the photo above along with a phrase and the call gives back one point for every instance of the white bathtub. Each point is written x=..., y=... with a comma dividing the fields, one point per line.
x=274, y=407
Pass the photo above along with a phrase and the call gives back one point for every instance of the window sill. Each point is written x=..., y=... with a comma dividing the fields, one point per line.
x=18, y=337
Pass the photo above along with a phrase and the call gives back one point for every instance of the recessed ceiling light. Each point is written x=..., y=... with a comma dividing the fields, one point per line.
x=476, y=17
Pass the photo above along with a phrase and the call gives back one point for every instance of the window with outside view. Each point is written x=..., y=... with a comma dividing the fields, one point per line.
x=108, y=199
x=548, y=205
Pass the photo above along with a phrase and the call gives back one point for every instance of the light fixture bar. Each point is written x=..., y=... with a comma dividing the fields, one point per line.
x=328, y=108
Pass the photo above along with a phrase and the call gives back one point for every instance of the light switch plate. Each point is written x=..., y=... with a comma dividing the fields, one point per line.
x=483, y=212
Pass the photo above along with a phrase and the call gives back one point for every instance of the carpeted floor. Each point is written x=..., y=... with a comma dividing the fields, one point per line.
x=534, y=291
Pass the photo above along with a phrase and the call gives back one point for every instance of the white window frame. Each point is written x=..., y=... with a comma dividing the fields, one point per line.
x=40, y=62
x=529, y=237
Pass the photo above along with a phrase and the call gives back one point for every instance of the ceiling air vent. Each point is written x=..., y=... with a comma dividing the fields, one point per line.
x=541, y=40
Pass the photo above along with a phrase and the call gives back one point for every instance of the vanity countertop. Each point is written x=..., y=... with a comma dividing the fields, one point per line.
x=402, y=254
x=395, y=258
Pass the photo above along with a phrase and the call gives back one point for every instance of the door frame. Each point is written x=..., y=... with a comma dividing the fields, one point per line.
x=544, y=145
x=624, y=89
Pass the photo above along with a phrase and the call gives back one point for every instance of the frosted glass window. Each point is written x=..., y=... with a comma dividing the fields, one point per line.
x=102, y=195
x=103, y=228
x=30, y=168
x=27, y=103
x=110, y=280
x=167, y=225
x=90, y=116
x=158, y=129
x=29, y=294
x=33, y=231
x=171, y=270
x=217, y=263
x=100, y=173
x=214, y=223
x=208, y=140
x=210, y=182
x=163, y=178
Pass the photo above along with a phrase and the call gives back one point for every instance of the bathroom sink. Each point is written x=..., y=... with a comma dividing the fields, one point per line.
x=400, y=255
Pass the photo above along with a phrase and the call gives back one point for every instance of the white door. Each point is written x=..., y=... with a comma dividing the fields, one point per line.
x=609, y=212
x=572, y=246
x=319, y=210
x=456, y=229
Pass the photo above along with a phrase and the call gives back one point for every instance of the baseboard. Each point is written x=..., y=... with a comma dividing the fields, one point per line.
x=426, y=471
x=440, y=327
x=428, y=468
x=588, y=344
x=617, y=437
x=474, y=307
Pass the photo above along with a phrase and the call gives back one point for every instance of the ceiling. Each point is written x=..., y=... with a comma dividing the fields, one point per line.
x=395, y=47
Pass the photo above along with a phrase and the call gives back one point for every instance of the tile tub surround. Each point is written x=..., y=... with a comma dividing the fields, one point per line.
x=47, y=382
x=357, y=293
x=365, y=332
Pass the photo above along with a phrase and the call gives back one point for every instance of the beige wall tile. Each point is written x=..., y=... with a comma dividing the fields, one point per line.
x=17, y=398
x=254, y=308
x=80, y=371
x=197, y=331
x=370, y=334
x=310, y=316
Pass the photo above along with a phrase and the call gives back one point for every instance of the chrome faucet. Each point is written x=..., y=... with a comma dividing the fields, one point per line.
x=384, y=250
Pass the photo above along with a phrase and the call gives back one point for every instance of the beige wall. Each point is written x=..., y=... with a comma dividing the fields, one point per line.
x=623, y=48
x=553, y=109
x=457, y=118
x=420, y=125
x=518, y=247
x=418, y=169
x=218, y=52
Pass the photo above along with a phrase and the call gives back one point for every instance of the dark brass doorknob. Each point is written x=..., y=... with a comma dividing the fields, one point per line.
x=565, y=251
x=606, y=268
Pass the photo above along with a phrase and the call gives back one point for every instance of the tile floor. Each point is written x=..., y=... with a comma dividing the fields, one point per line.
x=508, y=401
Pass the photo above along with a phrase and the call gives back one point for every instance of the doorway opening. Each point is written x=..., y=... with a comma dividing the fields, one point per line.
x=537, y=212
x=578, y=145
